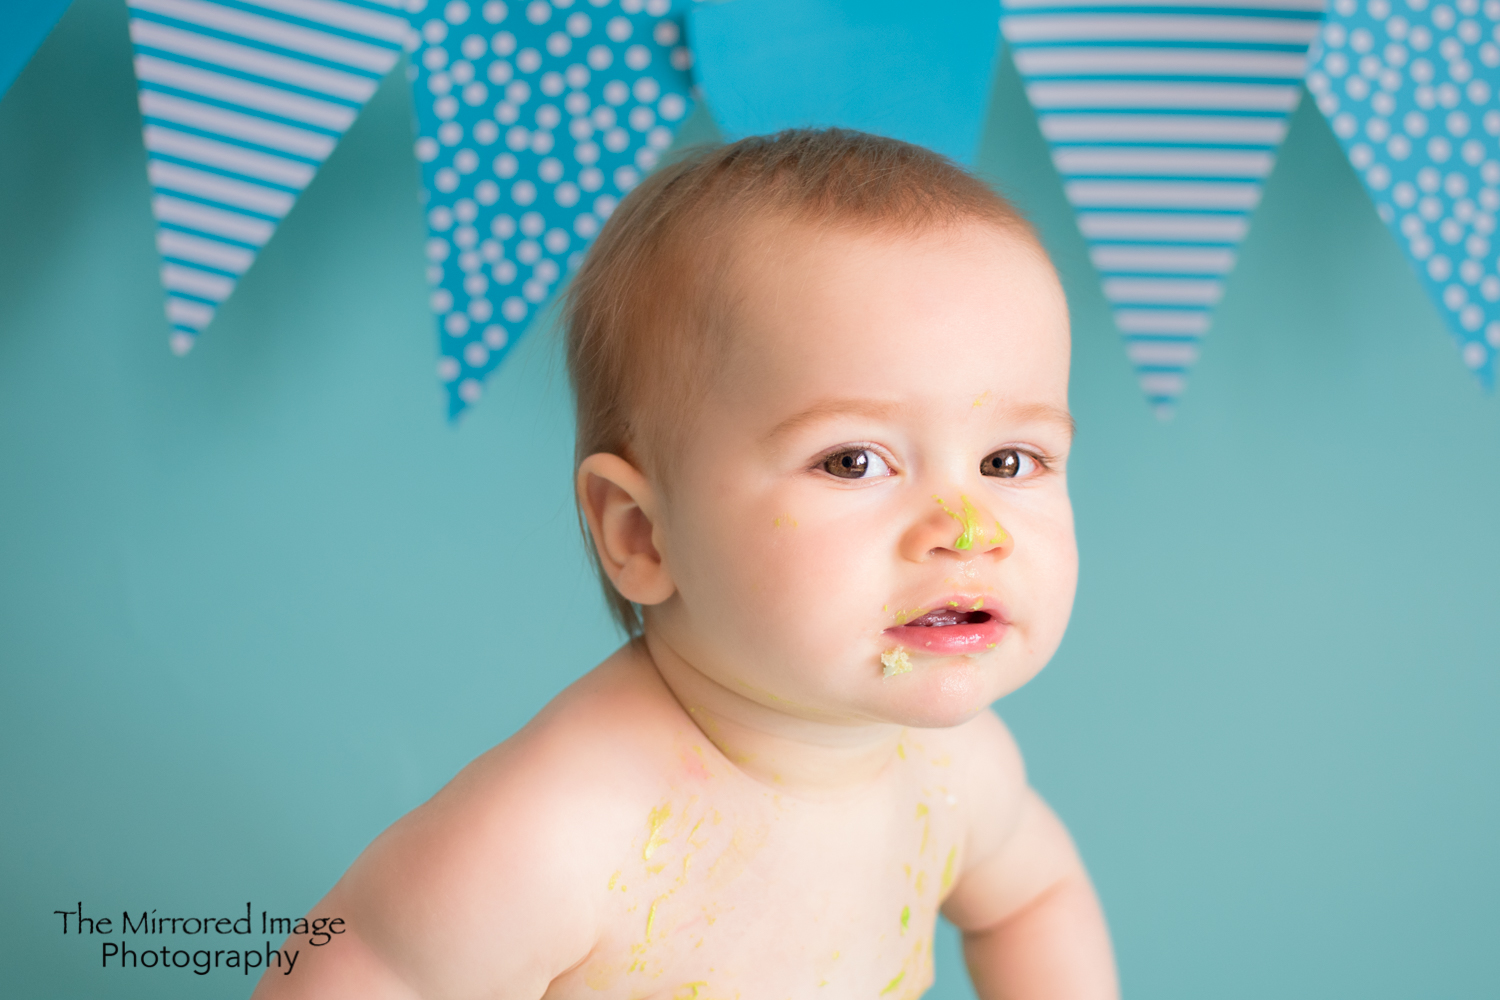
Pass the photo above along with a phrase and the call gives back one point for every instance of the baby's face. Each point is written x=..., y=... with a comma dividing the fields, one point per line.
x=870, y=518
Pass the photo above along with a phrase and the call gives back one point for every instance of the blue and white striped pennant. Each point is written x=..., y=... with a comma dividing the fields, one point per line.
x=1411, y=91
x=243, y=100
x=1164, y=119
x=533, y=120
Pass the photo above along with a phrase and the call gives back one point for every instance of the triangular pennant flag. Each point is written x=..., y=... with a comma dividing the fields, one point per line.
x=1411, y=91
x=22, y=28
x=533, y=120
x=1164, y=119
x=243, y=100
x=916, y=72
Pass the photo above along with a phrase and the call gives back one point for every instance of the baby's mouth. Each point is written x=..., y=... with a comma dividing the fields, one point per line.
x=944, y=617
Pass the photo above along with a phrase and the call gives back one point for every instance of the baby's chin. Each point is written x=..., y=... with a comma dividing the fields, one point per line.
x=938, y=693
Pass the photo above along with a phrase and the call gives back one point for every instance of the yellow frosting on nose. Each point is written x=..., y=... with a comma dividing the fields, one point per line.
x=969, y=524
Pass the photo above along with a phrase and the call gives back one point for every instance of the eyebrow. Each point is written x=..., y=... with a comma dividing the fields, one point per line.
x=879, y=409
x=823, y=409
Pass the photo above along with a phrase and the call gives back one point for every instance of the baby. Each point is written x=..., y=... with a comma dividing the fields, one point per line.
x=821, y=385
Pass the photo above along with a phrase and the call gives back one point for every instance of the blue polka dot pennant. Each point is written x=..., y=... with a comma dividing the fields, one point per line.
x=243, y=100
x=533, y=119
x=1164, y=118
x=1410, y=88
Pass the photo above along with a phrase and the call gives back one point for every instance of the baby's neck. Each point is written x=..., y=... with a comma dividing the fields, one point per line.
x=789, y=750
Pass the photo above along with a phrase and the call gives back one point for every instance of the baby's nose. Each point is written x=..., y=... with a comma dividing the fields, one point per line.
x=963, y=530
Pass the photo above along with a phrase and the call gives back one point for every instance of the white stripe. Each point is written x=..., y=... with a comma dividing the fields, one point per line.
x=1156, y=226
x=1109, y=61
x=1184, y=96
x=1163, y=194
x=1163, y=162
x=204, y=251
x=177, y=278
x=1162, y=384
x=1309, y=6
x=1163, y=128
x=273, y=31
x=1021, y=29
x=211, y=220
x=285, y=69
x=193, y=314
x=1160, y=353
x=1162, y=322
x=386, y=27
x=235, y=125
x=241, y=194
x=1164, y=291
x=227, y=157
x=1168, y=260
x=232, y=90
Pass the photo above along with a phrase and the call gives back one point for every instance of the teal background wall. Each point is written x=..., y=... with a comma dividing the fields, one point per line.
x=258, y=602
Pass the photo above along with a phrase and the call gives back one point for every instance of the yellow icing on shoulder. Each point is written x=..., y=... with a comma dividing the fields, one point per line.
x=894, y=982
x=947, y=881
x=655, y=821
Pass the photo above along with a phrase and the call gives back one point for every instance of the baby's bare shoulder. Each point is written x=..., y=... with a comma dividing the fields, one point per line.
x=496, y=878
x=992, y=776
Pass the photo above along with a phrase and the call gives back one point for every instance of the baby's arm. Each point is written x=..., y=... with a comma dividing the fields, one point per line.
x=1032, y=926
x=477, y=893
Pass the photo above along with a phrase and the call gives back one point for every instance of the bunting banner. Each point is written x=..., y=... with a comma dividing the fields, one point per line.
x=22, y=28
x=1411, y=91
x=1164, y=119
x=533, y=120
x=922, y=74
x=242, y=101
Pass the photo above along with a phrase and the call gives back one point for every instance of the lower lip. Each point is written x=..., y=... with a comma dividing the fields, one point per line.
x=949, y=639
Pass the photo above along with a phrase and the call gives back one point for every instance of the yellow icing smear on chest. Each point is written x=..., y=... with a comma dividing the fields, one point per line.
x=895, y=661
x=655, y=821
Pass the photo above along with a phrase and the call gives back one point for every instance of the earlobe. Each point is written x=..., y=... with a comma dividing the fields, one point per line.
x=620, y=506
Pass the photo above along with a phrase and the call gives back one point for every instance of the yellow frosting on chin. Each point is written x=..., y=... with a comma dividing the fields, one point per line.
x=895, y=662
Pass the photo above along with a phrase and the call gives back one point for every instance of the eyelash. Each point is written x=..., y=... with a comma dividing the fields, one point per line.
x=1043, y=461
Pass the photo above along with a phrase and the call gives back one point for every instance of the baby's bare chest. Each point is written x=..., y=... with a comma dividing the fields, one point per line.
x=766, y=897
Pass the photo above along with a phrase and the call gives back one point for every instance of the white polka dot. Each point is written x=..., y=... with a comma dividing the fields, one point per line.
x=578, y=78
x=1439, y=149
x=1471, y=318
x=513, y=309
x=462, y=72
x=534, y=291
x=586, y=225
x=548, y=117
x=586, y=153
x=550, y=170
x=518, y=92
x=494, y=336
x=1492, y=333
x=475, y=284
x=440, y=301
x=546, y=271
x=466, y=161
x=1454, y=296
x=637, y=57
x=1431, y=209
x=503, y=226
x=480, y=310
x=504, y=272
x=1489, y=288
x=558, y=44
x=1475, y=355
x=434, y=31
x=538, y=11
x=666, y=33
x=476, y=354
x=656, y=8
x=445, y=107
x=591, y=178
x=438, y=249
x=427, y=150
x=600, y=57
x=518, y=137
x=604, y=206
x=556, y=240
x=446, y=180
x=523, y=192
x=447, y=369
x=1404, y=194
x=660, y=137
x=456, y=324
x=566, y=194
x=475, y=94
x=1439, y=267
x=541, y=142
x=1455, y=185
x=505, y=165
x=1378, y=177
x=645, y=158
x=503, y=43
x=456, y=12
x=528, y=60
x=579, y=24
x=672, y=107
x=552, y=83
x=532, y=224
x=469, y=390
x=495, y=11
x=434, y=274
x=1472, y=152
x=1361, y=156
x=499, y=72
x=434, y=58
x=1345, y=125
x=682, y=59
x=641, y=118
x=506, y=113
x=616, y=139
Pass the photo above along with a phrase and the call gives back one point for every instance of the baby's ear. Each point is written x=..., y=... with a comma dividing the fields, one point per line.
x=621, y=508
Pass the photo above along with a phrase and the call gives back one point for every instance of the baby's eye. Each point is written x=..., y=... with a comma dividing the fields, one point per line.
x=1008, y=463
x=856, y=463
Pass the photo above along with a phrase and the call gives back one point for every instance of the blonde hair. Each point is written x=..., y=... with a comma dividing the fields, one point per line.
x=647, y=310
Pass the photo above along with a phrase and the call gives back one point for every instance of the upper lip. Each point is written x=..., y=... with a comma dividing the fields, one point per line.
x=960, y=602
